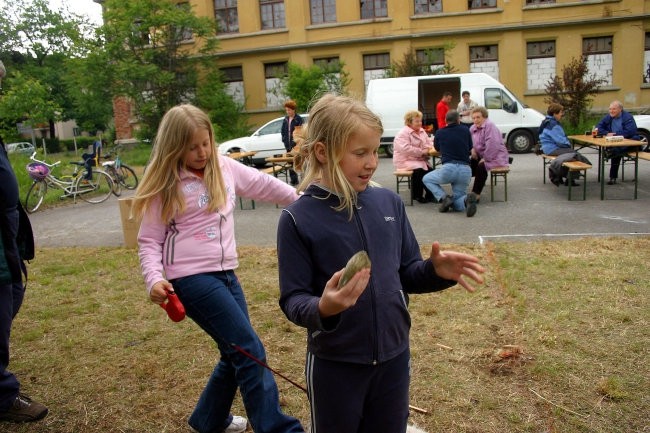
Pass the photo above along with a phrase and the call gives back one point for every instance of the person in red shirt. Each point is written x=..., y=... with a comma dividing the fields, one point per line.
x=441, y=109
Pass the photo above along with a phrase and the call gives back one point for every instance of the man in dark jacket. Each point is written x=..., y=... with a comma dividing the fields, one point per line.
x=617, y=122
x=16, y=245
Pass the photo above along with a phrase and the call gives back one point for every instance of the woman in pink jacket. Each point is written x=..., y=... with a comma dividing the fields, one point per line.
x=488, y=152
x=411, y=152
x=187, y=247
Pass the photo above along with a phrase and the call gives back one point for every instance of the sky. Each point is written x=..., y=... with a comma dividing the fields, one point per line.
x=81, y=7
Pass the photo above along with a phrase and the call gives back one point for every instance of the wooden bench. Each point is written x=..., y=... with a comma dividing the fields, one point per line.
x=642, y=155
x=404, y=176
x=495, y=173
x=579, y=167
x=546, y=159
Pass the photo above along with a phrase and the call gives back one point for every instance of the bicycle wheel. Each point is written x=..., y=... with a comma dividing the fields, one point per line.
x=95, y=190
x=115, y=177
x=127, y=177
x=35, y=196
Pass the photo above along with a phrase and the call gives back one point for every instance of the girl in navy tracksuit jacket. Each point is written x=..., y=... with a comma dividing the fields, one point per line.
x=358, y=358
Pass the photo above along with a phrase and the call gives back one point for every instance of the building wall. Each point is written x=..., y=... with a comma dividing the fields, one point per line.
x=510, y=26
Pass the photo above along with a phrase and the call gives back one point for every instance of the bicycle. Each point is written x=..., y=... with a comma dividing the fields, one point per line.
x=95, y=190
x=121, y=174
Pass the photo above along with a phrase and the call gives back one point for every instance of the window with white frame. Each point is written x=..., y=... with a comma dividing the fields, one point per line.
x=481, y=4
x=598, y=53
x=539, y=2
x=225, y=12
x=428, y=6
x=646, y=59
x=540, y=63
x=373, y=9
x=375, y=66
x=272, y=12
x=484, y=58
x=434, y=58
x=233, y=78
x=322, y=11
x=273, y=73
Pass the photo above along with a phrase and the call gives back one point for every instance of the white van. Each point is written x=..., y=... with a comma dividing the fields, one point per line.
x=391, y=98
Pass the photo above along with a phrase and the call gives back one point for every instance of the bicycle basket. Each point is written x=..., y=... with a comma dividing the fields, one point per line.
x=37, y=171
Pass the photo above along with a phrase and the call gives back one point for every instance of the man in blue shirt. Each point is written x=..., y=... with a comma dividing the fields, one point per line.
x=617, y=122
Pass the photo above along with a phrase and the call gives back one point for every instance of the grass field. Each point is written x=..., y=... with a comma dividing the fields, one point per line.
x=556, y=341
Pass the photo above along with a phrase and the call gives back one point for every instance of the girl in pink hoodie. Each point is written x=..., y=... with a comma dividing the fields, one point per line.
x=187, y=246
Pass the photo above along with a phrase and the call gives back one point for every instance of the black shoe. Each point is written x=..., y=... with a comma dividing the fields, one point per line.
x=573, y=183
x=423, y=200
x=24, y=409
x=446, y=204
x=611, y=182
x=470, y=203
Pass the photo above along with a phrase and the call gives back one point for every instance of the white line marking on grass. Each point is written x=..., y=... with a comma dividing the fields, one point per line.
x=483, y=239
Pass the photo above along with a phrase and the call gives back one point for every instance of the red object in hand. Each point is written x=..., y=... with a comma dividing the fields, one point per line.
x=173, y=307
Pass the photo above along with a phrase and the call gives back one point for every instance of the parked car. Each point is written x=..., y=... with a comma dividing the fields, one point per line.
x=22, y=147
x=643, y=125
x=266, y=141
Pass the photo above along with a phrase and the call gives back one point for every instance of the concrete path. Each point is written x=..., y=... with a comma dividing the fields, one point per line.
x=534, y=210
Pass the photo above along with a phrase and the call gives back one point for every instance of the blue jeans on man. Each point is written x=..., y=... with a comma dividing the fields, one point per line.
x=455, y=173
x=215, y=301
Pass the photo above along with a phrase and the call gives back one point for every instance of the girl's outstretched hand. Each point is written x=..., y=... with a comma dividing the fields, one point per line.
x=159, y=291
x=456, y=266
x=334, y=300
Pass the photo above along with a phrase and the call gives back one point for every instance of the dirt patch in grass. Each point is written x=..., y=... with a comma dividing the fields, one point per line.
x=555, y=341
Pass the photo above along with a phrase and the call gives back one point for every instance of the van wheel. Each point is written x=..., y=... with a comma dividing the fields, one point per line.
x=389, y=150
x=520, y=142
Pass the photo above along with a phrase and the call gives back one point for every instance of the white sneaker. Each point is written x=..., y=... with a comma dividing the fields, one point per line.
x=238, y=425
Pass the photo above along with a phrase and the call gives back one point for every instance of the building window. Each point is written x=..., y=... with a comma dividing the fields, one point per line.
x=373, y=9
x=332, y=69
x=375, y=66
x=434, y=58
x=141, y=33
x=233, y=78
x=184, y=33
x=427, y=6
x=272, y=12
x=539, y=2
x=646, y=59
x=322, y=11
x=481, y=4
x=540, y=63
x=598, y=53
x=225, y=12
x=273, y=73
x=485, y=58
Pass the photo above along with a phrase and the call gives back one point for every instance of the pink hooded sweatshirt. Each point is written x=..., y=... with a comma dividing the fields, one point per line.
x=198, y=241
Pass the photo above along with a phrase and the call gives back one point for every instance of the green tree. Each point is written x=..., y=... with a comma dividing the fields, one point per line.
x=36, y=42
x=149, y=44
x=224, y=112
x=306, y=84
x=411, y=66
x=574, y=90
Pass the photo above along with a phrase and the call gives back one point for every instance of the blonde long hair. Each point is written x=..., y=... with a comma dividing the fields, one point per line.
x=162, y=176
x=333, y=120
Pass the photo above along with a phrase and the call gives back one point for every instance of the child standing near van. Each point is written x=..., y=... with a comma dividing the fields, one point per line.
x=187, y=246
x=358, y=358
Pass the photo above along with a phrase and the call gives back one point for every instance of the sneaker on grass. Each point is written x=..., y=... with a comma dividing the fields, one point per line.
x=24, y=409
x=237, y=425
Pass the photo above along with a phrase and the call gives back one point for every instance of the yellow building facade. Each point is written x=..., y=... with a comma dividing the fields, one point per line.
x=522, y=43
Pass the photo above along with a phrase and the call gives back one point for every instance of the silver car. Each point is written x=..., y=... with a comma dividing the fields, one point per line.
x=266, y=141
x=22, y=147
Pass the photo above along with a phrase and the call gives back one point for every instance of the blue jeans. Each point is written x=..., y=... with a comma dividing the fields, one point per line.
x=215, y=301
x=457, y=174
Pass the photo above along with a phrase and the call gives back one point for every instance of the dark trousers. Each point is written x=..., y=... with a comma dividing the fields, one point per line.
x=480, y=175
x=347, y=397
x=11, y=298
x=418, y=190
x=615, y=154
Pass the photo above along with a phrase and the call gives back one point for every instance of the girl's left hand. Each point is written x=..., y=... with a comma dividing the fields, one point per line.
x=456, y=266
